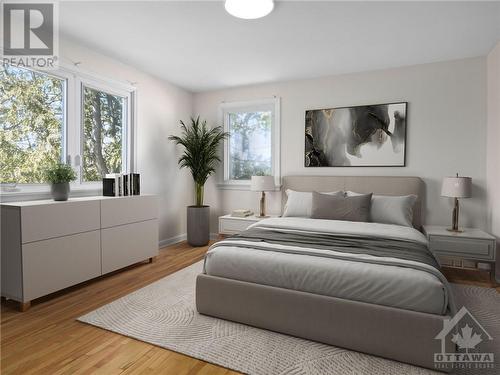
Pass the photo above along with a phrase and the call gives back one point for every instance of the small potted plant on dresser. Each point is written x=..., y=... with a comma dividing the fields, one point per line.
x=59, y=176
x=201, y=156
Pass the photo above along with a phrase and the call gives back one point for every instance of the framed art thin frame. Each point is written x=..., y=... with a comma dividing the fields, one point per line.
x=349, y=128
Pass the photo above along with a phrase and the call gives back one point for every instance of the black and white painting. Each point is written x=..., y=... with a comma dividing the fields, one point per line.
x=362, y=136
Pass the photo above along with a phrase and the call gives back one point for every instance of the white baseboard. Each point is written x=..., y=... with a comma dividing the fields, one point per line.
x=172, y=240
x=180, y=238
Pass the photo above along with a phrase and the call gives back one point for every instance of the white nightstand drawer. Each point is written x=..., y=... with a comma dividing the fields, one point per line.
x=466, y=247
x=233, y=226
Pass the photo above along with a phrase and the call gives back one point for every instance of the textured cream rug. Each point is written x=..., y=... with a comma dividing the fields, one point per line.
x=164, y=314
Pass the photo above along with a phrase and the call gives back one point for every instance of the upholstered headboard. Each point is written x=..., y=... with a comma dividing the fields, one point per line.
x=381, y=185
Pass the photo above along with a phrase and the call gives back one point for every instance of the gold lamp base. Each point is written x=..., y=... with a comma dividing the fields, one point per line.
x=455, y=230
x=454, y=219
x=262, y=205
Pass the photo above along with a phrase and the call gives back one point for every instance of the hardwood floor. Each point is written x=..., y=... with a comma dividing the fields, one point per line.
x=470, y=277
x=48, y=340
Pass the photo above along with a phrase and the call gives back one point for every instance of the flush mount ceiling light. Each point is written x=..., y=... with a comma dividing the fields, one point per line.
x=249, y=9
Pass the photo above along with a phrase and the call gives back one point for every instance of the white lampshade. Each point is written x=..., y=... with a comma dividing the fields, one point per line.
x=456, y=187
x=262, y=183
x=249, y=9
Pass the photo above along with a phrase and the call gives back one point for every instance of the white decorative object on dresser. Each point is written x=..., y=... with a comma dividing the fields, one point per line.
x=232, y=225
x=48, y=246
x=462, y=249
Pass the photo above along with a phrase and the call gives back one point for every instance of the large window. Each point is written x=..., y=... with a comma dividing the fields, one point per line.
x=253, y=146
x=32, y=119
x=62, y=116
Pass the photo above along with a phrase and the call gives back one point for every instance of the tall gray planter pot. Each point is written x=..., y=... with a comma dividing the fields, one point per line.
x=198, y=225
x=60, y=191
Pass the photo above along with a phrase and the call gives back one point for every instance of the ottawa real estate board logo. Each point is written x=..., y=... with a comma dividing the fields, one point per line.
x=465, y=334
x=30, y=34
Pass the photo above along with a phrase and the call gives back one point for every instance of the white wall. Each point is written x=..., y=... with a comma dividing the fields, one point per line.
x=160, y=106
x=446, y=127
x=493, y=152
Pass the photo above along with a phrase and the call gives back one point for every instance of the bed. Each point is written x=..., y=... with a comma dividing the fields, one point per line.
x=368, y=287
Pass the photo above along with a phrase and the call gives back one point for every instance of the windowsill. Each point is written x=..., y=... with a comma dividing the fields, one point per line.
x=42, y=191
x=243, y=186
x=229, y=186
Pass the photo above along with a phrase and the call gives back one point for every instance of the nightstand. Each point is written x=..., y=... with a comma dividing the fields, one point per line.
x=232, y=225
x=462, y=250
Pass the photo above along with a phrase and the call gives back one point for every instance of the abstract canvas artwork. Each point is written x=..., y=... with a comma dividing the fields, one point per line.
x=362, y=136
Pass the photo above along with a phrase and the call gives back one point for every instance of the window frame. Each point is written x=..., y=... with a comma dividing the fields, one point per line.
x=272, y=104
x=72, y=137
x=66, y=78
x=127, y=164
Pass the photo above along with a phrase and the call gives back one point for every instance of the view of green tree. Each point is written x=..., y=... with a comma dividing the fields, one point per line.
x=250, y=144
x=31, y=124
x=103, y=134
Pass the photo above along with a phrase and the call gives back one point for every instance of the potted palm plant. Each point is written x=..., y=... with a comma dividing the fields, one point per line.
x=201, y=156
x=59, y=176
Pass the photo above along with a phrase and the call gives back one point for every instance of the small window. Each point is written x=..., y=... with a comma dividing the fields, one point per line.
x=253, y=146
x=32, y=124
x=250, y=144
x=104, y=125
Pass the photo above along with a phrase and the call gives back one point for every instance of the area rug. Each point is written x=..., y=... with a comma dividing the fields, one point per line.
x=164, y=314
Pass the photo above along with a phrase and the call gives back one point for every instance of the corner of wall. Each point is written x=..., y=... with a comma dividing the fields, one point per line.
x=492, y=152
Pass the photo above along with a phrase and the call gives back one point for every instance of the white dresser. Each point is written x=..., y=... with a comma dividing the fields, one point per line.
x=48, y=246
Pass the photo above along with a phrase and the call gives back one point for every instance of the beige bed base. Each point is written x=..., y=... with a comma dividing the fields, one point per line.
x=402, y=335
x=398, y=334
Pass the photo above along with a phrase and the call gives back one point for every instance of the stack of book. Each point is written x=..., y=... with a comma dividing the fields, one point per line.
x=118, y=184
x=241, y=213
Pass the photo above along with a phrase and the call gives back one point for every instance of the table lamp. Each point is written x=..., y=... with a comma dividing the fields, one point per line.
x=456, y=187
x=263, y=184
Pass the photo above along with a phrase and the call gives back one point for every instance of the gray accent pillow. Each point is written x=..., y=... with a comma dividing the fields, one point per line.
x=299, y=203
x=331, y=207
x=388, y=209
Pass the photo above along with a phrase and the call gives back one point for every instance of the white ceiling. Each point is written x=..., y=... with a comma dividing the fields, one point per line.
x=198, y=46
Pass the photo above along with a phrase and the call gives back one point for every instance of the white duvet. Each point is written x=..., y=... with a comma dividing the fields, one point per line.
x=381, y=284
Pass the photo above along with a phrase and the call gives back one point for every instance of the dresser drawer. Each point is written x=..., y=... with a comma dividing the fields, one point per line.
x=128, y=244
x=464, y=247
x=55, y=264
x=126, y=210
x=44, y=221
x=233, y=226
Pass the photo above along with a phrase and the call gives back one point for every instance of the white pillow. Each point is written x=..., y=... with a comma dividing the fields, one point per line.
x=388, y=209
x=299, y=203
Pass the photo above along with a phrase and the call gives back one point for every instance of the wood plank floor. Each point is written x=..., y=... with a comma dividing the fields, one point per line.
x=470, y=277
x=48, y=340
